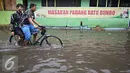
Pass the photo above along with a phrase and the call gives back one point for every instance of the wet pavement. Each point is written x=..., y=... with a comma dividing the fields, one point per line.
x=83, y=52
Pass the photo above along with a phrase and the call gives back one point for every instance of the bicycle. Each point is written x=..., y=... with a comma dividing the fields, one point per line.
x=50, y=40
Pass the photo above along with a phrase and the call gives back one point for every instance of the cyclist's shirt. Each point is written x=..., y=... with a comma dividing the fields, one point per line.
x=28, y=14
x=129, y=13
x=15, y=20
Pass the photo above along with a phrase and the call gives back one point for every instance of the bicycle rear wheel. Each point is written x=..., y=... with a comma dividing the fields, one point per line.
x=52, y=41
x=15, y=40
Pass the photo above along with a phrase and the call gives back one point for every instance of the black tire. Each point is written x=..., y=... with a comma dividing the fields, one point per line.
x=15, y=40
x=49, y=43
x=10, y=39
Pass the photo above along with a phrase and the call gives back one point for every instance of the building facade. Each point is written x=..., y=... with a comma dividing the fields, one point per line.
x=105, y=13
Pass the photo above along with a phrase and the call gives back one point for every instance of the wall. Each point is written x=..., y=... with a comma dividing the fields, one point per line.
x=106, y=23
x=37, y=2
x=85, y=3
x=109, y=17
x=5, y=15
x=90, y=22
x=109, y=23
x=19, y=1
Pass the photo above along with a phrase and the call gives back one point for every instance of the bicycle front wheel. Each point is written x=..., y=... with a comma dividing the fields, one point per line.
x=52, y=41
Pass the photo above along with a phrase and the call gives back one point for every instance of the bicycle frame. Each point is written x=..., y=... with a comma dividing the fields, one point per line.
x=43, y=35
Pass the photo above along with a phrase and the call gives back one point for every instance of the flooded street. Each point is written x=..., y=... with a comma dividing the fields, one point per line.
x=83, y=52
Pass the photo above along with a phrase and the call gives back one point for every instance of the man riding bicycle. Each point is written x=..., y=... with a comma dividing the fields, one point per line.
x=15, y=22
x=24, y=26
x=29, y=24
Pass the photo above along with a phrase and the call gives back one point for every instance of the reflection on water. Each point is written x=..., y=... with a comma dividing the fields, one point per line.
x=83, y=52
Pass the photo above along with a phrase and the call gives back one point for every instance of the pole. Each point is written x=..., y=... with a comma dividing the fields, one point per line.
x=46, y=3
x=118, y=3
x=1, y=3
x=54, y=3
x=106, y=3
x=97, y=2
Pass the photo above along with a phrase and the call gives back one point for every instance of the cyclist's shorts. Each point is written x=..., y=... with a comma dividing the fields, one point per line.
x=28, y=30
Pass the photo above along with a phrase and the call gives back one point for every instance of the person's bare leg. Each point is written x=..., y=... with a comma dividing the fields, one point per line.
x=26, y=42
x=34, y=37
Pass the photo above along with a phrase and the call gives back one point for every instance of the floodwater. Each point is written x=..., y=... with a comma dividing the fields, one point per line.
x=83, y=52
